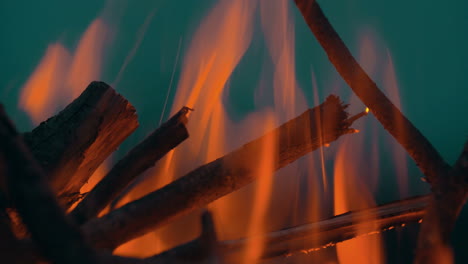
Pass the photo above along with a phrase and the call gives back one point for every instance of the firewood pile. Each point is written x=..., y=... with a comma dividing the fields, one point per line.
x=42, y=172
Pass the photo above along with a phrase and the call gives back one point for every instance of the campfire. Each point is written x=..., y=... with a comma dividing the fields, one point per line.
x=201, y=188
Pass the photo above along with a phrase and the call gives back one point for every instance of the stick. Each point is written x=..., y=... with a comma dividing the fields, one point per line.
x=139, y=159
x=418, y=147
x=314, y=236
x=71, y=145
x=209, y=182
x=28, y=189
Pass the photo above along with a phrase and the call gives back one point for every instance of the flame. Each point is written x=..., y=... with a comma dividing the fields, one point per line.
x=352, y=194
x=86, y=65
x=390, y=85
x=216, y=48
x=47, y=89
x=367, y=110
x=42, y=90
x=263, y=189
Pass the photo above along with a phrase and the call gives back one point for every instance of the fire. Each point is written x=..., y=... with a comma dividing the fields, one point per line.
x=60, y=77
x=352, y=194
x=86, y=65
x=42, y=91
x=262, y=197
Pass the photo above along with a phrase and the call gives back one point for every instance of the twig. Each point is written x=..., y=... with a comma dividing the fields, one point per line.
x=71, y=145
x=209, y=182
x=28, y=189
x=139, y=159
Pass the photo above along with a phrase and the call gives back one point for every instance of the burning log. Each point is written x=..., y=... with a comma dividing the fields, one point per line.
x=29, y=191
x=449, y=185
x=314, y=128
x=139, y=159
x=72, y=144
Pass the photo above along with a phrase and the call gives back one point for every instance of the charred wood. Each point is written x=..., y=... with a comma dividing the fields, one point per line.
x=71, y=145
x=139, y=159
x=30, y=193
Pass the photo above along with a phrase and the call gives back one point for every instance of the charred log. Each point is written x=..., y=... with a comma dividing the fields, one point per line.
x=139, y=159
x=71, y=145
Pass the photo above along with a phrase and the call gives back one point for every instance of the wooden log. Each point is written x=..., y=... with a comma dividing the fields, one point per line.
x=139, y=159
x=312, y=129
x=71, y=145
x=59, y=240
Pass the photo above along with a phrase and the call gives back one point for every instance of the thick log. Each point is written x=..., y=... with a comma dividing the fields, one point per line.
x=139, y=159
x=71, y=145
x=29, y=191
x=314, y=128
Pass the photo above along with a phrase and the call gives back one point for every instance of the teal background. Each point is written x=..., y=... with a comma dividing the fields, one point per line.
x=428, y=41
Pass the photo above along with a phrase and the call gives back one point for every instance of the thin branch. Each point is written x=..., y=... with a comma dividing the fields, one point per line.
x=220, y=177
x=71, y=145
x=139, y=159
x=415, y=143
x=60, y=241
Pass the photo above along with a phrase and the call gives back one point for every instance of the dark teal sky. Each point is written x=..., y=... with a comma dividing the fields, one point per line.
x=428, y=42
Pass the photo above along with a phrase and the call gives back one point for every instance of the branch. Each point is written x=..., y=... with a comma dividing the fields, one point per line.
x=81, y=137
x=139, y=159
x=28, y=189
x=418, y=147
x=209, y=182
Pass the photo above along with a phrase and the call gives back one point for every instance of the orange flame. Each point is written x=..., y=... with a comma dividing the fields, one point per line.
x=47, y=89
x=86, y=65
x=42, y=90
x=264, y=185
x=351, y=193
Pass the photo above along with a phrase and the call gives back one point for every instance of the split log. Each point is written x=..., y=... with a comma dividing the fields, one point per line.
x=139, y=159
x=71, y=145
x=29, y=191
x=314, y=128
